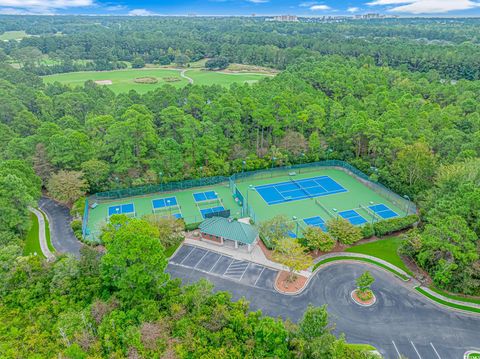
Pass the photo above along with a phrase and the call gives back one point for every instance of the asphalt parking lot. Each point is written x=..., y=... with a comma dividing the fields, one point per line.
x=400, y=323
x=213, y=263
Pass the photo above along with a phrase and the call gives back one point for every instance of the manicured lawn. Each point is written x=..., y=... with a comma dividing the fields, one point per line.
x=386, y=249
x=457, y=306
x=456, y=297
x=170, y=250
x=401, y=276
x=123, y=80
x=32, y=245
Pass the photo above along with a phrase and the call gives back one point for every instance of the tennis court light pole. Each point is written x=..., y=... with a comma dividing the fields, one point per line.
x=244, y=163
x=250, y=187
x=296, y=225
x=408, y=205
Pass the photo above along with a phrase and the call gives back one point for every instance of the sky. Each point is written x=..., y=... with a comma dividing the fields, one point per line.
x=243, y=7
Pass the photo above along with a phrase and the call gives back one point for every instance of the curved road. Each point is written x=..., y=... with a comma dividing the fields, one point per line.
x=401, y=322
x=61, y=233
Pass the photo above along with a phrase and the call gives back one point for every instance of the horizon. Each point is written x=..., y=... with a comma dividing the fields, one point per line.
x=242, y=8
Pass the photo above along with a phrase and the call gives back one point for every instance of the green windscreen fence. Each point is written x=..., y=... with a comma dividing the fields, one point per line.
x=162, y=187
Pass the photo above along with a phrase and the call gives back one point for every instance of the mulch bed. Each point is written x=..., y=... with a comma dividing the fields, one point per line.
x=289, y=287
x=361, y=301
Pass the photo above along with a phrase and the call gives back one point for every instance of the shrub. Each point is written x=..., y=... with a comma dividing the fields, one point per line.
x=78, y=208
x=388, y=226
x=192, y=226
x=368, y=230
x=77, y=228
x=343, y=231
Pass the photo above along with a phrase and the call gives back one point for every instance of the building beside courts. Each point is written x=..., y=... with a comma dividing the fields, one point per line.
x=229, y=232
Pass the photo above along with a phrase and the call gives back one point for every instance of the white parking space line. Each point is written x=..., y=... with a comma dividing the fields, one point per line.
x=435, y=350
x=244, y=271
x=396, y=349
x=416, y=351
x=255, y=284
x=226, y=270
x=201, y=259
x=183, y=260
x=220, y=257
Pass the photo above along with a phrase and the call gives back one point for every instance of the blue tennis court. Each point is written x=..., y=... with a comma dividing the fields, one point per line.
x=316, y=222
x=128, y=208
x=206, y=211
x=160, y=203
x=353, y=217
x=204, y=196
x=383, y=211
x=294, y=190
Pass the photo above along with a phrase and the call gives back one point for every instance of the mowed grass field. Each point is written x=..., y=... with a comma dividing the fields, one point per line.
x=13, y=35
x=124, y=80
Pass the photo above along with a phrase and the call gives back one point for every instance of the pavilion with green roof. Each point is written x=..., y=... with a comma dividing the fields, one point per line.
x=226, y=231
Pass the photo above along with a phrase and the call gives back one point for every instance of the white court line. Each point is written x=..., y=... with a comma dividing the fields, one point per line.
x=255, y=284
x=219, y=257
x=192, y=249
x=435, y=350
x=396, y=349
x=416, y=351
x=244, y=271
x=195, y=267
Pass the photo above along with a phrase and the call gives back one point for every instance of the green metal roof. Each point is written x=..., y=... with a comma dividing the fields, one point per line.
x=229, y=229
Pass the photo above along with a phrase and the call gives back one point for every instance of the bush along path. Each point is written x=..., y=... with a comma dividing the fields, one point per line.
x=409, y=282
x=42, y=237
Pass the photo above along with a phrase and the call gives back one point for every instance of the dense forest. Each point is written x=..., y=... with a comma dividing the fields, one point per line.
x=449, y=46
x=403, y=125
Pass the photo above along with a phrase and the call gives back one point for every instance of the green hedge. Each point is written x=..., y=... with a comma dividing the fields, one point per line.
x=389, y=226
x=192, y=226
x=77, y=228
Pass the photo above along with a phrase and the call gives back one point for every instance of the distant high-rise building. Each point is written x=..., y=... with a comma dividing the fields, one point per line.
x=284, y=18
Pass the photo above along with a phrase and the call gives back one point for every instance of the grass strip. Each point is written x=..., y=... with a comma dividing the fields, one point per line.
x=401, y=276
x=47, y=232
x=170, y=250
x=453, y=296
x=32, y=244
x=363, y=347
x=448, y=304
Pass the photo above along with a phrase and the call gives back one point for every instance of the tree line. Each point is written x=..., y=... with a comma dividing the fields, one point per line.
x=449, y=46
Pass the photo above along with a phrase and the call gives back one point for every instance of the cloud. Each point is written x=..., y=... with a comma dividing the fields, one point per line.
x=353, y=9
x=40, y=6
x=258, y=1
x=426, y=6
x=307, y=3
x=319, y=7
x=141, y=12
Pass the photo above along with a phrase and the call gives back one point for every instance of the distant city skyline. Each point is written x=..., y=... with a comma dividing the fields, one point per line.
x=437, y=8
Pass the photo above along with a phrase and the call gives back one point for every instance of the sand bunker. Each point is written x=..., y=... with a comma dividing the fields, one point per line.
x=103, y=82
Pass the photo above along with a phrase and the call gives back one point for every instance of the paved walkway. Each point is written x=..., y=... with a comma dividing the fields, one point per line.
x=182, y=74
x=42, y=237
